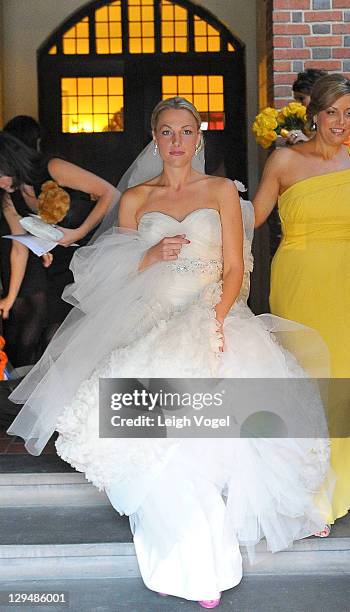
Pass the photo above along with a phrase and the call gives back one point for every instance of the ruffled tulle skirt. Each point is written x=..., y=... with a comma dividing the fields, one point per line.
x=269, y=484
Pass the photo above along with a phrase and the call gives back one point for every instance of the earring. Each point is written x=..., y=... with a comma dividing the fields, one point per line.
x=199, y=145
x=155, y=150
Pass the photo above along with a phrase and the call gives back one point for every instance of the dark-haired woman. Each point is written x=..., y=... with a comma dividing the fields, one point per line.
x=311, y=269
x=24, y=283
x=302, y=88
x=35, y=307
x=26, y=129
x=303, y=84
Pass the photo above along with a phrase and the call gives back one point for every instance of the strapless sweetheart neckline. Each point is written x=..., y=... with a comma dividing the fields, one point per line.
x=158, y=212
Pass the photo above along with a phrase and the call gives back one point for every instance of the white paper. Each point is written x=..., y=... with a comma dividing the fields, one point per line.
x=38, y=246
x=37, y=227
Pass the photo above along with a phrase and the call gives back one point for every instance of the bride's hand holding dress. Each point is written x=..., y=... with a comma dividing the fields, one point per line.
x=167, y=249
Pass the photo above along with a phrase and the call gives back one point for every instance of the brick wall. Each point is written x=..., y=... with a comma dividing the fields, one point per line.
x=308, y=34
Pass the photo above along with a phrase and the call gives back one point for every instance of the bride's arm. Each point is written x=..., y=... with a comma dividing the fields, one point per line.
x=232, y=247
x=127, y=212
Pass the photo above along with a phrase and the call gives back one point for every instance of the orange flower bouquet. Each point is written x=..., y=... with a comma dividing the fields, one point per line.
x=53, y=202
x=53, y=205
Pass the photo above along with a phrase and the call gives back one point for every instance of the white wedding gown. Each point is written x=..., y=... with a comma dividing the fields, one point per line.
x=191, y=501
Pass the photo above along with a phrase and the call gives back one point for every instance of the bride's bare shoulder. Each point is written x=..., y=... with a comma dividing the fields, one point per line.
x=129, y=204
x=133, y=200
x=140, y=189
x=136, y=195
x=221, y=184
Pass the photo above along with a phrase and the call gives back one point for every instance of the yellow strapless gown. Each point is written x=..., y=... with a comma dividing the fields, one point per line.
x=310, y=283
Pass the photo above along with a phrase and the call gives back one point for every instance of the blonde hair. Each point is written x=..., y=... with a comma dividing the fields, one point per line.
x=174, y=104
x=324, y=93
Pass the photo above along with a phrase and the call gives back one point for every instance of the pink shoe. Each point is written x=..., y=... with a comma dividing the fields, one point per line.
x=210, y=603
x=324, y=533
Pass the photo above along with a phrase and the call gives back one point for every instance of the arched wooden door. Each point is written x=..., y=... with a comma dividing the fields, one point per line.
x=104, y=69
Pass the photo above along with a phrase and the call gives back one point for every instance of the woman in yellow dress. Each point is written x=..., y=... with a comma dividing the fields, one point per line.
x=310, y=275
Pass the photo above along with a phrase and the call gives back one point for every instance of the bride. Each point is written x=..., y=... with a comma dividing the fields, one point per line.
x=164, y=295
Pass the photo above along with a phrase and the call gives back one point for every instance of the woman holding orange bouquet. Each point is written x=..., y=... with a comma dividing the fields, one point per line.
x=311, y=269
x=32, y=302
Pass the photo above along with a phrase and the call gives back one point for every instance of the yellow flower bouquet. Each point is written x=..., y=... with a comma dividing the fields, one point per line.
x=270, y=123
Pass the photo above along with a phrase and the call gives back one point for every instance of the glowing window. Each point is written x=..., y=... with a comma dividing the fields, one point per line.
x=92, y=104
x=206, y=92
x=108, y=28
x=141, y=26
x=76, y=40
x=108, y=23
x=174, y=28
x=206, y=38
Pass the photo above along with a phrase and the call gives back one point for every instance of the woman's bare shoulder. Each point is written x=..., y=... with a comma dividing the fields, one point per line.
x=221, y=183
x=282, y=155
x=285, y=160
x=135, y=198
x=137, y=193
x=143, y=189
x=224, y=191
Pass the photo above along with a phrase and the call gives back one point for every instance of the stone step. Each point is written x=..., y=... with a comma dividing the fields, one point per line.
x=119, y=561
x=28, y=493
x=48, y=489
x=253, y=594
x=68, y=489
x=91, y=541
x=24, y=463
x=26, y=480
